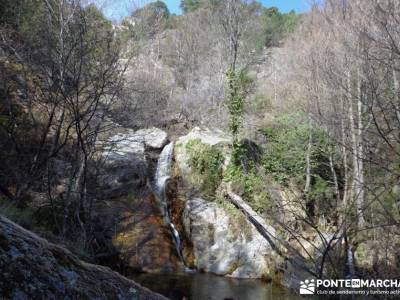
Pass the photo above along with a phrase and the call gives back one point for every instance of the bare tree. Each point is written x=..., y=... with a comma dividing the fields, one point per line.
x=76, y=61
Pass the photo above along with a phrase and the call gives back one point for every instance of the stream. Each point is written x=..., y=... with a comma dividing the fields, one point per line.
x=200, y=286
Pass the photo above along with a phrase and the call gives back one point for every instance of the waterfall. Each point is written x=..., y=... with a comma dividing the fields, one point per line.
x=162, y=176
x=350, y=261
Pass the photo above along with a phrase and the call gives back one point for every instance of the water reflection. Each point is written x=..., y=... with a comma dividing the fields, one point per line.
x=210, y=287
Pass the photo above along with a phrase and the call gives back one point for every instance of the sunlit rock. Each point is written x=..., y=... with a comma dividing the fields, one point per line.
x=225, y=244
x=206, y=136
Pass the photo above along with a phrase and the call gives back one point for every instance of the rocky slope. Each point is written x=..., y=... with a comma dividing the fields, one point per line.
x=32, y=268
x=226, y=244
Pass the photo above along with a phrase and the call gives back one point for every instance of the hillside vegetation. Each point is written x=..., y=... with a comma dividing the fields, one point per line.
x=310, y=103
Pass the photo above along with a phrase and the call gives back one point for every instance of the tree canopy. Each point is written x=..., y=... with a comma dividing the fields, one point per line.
x=188, y=6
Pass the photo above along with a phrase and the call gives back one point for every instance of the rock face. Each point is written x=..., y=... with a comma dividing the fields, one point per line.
x=129, y=214
x=226, y=244
x=206, y=136
x=142, y=239
x=32, y=268
x=153, y=137
x=125, y=165
x=126, y=161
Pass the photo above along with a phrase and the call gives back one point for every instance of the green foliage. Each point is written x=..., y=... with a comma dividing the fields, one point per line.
x=24, y=17
x=188, y=6
x=238, y=84
x=153, y=10
x=246, y=178
x=18, y=14
x=149, y=20
x=322, y=194
x=285, y=157
x=238, y=89
x=278, y=25
x=207, y=163
x=235, y=102
x=251, y=185
x=99, y=39
x=96, y=17
x=389, y=202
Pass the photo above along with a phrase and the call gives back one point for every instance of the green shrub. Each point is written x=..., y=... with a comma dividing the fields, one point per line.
x=207, y=164
x=258, y=104
x=251, y=185
x=322, y=193
x=285, y=157
x=286, y=154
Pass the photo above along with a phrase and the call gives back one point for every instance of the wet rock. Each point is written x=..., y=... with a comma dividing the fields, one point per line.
x=142, y=239
x=32, y=268
x=137, y=234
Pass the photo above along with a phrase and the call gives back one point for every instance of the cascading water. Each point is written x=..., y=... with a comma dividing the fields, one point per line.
x=161, y=179
x=350, y=261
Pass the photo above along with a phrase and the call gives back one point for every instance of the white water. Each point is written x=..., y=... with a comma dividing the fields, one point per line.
x=161, y=179
x=350, y=261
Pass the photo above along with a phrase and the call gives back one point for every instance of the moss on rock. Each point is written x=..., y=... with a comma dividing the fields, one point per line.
x=207, y=163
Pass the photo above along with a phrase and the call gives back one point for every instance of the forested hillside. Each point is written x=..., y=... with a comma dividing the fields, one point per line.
x=233, y=139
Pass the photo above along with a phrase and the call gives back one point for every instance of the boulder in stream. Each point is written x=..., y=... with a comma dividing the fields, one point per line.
x=226, y=243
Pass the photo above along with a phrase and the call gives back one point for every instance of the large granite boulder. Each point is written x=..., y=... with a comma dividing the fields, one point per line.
x=125, y=167
x=153, y=137
x=126, y=160
x=32, y=268
x=225, y=242
x=206, y=136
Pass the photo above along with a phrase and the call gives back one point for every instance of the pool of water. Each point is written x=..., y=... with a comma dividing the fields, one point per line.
x=197, y=286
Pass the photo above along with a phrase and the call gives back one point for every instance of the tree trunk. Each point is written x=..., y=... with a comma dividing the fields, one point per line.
x=396, y=96
x=334, y=176
x=360, y=152
x=357, y=189
x=73, y=192
x=307, y=187
x=344, y=155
